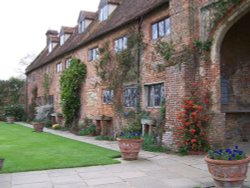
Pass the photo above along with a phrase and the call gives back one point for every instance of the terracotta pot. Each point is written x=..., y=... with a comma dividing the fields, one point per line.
x=129, y=148
x=10, y=119
x=228, y=173
x=1, y=163
x=38, y=126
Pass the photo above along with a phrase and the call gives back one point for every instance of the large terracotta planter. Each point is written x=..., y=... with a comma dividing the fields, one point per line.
x=129, y=148
x=1, y=163
x=228, y=173
x=10, y=119
x=38, y=126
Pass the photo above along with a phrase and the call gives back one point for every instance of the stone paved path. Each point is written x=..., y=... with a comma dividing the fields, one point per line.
x=152, y=170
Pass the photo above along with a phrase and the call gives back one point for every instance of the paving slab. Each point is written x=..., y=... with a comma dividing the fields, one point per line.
x=34, y=185
x=70, y=179
x=146, y=182
x=5, y=185
x=114, y=185
x=180, y=183
x=74, y=185
x=103, y=181
x=28, y=179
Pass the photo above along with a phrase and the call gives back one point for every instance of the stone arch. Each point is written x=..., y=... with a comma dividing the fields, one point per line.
x=235, y=118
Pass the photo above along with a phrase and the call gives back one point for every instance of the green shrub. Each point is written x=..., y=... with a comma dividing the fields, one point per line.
x=16, y=111
x=87, y=131
x=150, y=144
x=102, y=137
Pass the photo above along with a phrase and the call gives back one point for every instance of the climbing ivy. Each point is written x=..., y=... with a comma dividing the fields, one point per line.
x=202, y=48
x=70, y=87
x=115, y=69
x=222, y=6
x=46, y=86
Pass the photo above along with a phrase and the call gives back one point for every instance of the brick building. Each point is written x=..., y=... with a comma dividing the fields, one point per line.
x=226, y=69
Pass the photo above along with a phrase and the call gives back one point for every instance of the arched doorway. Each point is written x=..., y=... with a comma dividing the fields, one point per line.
x=235, y=81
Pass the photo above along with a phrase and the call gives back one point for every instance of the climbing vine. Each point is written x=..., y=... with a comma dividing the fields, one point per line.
x=70, y=87
x=221, y=7
x=121, y=67
x=46, y=85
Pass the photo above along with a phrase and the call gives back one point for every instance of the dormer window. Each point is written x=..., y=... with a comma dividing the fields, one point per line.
x=65, y=33
x=81, y=26
x=84, y=20
x=62, y=40
x=103, y=15
x=106, y=8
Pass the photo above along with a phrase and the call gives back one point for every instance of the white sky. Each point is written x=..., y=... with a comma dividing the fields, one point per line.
x=25, y=22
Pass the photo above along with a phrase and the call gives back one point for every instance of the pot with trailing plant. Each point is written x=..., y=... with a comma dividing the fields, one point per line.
x=1, y=163
x=129, y=143
x=228, y=167
x=42, y=115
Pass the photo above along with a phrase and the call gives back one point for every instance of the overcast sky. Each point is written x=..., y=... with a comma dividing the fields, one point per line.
x=25, y=22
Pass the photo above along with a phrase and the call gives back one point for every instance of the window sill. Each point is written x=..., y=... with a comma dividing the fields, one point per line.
x=153, y=107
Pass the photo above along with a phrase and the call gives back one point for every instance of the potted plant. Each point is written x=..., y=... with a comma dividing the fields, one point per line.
x=9, y=113
x=1, y=163
x=228, y=167
x=129, y=143
x=42, y=114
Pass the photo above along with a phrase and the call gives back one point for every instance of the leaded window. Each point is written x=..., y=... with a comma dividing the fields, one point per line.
x=130, y=97
x=154, y=94
x=107, y=96
x=160, y=29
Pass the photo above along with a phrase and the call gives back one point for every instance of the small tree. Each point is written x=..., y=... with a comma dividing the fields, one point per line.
x=70, y=87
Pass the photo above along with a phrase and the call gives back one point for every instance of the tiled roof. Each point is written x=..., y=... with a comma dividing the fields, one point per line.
x=126, y=12
x=67, y=30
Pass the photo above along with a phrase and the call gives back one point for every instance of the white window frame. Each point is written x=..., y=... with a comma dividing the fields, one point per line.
x=120, y=44
x=59, y=67
x=160, y=29
x=81, y=26
x=62, y=39
x=103, y=13
x=93, y=54
x=67, y=63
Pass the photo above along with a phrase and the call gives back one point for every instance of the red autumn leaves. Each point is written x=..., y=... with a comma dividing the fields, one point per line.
x=193, y=118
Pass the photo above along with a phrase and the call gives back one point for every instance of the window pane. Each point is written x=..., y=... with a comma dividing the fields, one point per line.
x=107, y=96
x=61, y=40
x=130, y=97
x=161, y=29
x=157, y=95
x=167, y=26
x=154, y=31
x=125, y=42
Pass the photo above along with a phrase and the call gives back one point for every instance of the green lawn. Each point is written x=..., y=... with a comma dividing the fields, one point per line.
x=25, y=150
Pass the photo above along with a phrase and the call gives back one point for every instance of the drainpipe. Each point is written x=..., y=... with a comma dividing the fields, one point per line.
x=139, y=89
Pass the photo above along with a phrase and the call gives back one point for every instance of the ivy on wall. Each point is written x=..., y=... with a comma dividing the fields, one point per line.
x=115, y=69
x=70, y=87
x=46, y=86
